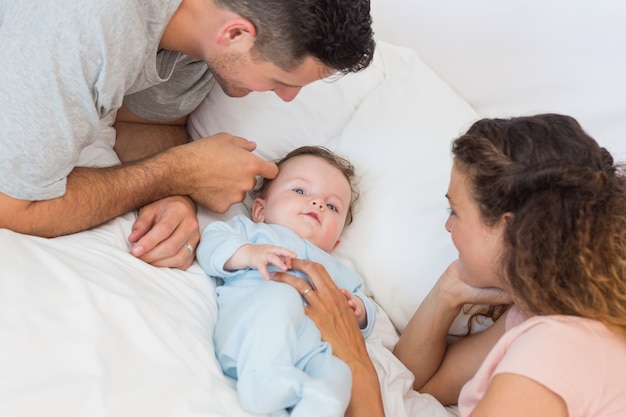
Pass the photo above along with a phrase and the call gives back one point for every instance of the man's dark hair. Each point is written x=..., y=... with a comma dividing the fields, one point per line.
x=338, y=33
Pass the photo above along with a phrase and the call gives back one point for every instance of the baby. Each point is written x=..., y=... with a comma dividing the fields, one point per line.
x=263, y=339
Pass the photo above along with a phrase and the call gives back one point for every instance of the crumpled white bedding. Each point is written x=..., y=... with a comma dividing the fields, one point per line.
x=88, y=330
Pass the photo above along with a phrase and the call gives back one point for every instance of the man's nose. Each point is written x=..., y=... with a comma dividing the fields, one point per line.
x=287, y=94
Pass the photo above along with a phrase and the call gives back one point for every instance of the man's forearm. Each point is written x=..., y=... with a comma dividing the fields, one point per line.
x=93, y=196
x=214, y=172
x=136, y=140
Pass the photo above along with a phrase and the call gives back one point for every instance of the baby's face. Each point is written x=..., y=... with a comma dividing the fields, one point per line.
x=309, y=196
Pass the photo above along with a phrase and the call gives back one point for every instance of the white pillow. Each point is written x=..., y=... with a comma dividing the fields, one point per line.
x=394, y=121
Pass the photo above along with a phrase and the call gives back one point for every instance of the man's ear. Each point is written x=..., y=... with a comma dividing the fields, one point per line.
x=258, y=210
x=237, y=32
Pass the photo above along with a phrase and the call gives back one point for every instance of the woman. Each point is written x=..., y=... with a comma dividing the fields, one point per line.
x=538, y=216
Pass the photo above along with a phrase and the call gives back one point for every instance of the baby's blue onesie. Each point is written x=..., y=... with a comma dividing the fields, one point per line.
x=262, y=337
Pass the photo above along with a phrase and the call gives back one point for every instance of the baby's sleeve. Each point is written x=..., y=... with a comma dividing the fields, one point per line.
x=219, y=241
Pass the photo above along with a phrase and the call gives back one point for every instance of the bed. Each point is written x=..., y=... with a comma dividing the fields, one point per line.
x=88, y=330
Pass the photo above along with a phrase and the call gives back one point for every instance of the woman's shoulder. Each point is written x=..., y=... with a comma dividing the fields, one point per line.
x=580, y=359
x=577, y=336
x=569, y=327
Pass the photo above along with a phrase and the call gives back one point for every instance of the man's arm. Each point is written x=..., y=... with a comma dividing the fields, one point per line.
x=138, y=138
x=93, y=196
x=215, y=172
x=164, y=227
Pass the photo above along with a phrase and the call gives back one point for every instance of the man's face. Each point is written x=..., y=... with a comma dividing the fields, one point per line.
x=239, y=74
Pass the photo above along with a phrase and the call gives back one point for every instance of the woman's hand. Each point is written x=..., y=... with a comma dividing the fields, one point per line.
x=454, y=292
x=329, y=310
x=438, y=369
x=327, y=307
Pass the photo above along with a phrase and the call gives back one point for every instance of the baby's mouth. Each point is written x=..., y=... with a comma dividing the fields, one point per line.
x=313, y=215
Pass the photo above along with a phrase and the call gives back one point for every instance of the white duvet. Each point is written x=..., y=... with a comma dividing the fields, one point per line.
x=88, y=330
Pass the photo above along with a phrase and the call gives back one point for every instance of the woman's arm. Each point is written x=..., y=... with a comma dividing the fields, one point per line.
x=329, y=310
x=441, y=370
x=509, y=394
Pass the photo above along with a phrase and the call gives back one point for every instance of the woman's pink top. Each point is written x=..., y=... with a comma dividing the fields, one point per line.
x=579, y=359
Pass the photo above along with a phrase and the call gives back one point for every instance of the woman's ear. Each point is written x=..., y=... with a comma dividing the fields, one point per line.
x=238, y=32
x=258, y=210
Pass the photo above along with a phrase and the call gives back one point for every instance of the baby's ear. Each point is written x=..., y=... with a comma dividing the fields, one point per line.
x=258, y=210
x=337, y=244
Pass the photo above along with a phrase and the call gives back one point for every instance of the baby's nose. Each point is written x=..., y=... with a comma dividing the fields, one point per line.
x=318, y=204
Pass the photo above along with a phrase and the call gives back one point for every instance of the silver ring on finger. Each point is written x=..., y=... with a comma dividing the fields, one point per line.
x=306, y=291
x=189, y=246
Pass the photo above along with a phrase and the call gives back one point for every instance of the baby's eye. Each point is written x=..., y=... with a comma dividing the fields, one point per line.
x=331, y=207
x=298, y=190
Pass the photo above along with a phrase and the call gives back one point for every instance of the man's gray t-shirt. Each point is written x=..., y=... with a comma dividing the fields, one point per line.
x=65, y=64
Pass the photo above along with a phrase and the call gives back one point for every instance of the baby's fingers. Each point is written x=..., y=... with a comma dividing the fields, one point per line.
x=346, y=294
x=264, y=273
x=285, y=253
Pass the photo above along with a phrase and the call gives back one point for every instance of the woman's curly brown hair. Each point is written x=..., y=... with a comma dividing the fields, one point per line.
x=564, y=247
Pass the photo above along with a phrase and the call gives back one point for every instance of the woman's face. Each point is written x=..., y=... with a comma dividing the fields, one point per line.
x=478, y=244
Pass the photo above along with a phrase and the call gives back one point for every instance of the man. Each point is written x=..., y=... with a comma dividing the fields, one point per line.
x=66, y=66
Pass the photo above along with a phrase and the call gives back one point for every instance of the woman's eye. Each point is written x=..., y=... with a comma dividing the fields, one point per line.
x=451, y=212
x=331, y=207
x=298, y=190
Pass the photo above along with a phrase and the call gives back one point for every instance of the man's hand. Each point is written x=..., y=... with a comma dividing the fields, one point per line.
x=162, y=231
x=215, y=172
x=218, y=171
x=166, y=229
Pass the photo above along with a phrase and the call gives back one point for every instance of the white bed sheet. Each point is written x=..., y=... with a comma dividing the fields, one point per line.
x=88, y=330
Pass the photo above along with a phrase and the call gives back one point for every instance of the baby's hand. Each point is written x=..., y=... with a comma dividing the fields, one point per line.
x=357, y=305
x=260, y=256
